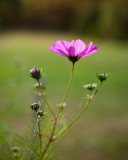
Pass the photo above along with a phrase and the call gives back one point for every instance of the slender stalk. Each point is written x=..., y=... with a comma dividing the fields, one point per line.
x=79, y=114
x=16, y=157
x=65, y=95
x=39, y=134
x=45, y=99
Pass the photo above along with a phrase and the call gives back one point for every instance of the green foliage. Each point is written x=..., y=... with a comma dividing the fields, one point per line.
x=30, y=144
x=5, y=149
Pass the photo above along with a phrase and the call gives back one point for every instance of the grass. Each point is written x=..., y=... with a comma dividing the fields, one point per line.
x=101, y=133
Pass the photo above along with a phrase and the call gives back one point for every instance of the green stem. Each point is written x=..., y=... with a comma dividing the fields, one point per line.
x=40, y=141
x=65, y=95
x=45, y=99
x=80, y=113
x=16, y=157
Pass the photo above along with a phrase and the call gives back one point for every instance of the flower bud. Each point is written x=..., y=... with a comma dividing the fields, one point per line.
x=40, y=113
x=90, y=86
x=15, y=149
x=53, y=119
x=35, y=106
x=35, y=73
x=61, y=105
x=102, y=76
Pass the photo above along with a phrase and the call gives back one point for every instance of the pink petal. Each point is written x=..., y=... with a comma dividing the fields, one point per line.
x=85, y=51
x=72, y=51
x=72, y=43
x=92, y=50
x=89, y=47
x=66, y=44
x=60, y=45
x=53, y=49
x=79, y=46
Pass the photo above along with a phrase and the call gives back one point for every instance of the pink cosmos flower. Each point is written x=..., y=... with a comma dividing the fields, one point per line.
x=74, y=50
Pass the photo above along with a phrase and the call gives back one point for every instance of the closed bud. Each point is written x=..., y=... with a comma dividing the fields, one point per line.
x=15, y=149
x=40, y=113
x=35, y=106
x=102, y=76
x=35, y=73
x=61, y=105
x=90, y=86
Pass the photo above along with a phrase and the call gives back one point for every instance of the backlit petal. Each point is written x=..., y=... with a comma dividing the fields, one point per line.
x=53, y=49
x=79, y=46
x=60, y=45
x=72, y=51
x=92, y=50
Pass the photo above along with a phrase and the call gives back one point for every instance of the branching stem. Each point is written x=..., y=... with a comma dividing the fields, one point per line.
x=56, y=119
x=79, y=114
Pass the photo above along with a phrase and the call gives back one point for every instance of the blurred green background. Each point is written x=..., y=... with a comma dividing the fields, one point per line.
x=27, y=29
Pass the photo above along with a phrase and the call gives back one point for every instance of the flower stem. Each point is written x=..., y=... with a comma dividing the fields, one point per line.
x=65, y=95
x=16, y=157
x=79, y=114
x=45, y=99
x=39, y=134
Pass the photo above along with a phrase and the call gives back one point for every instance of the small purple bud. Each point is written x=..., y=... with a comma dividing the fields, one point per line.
x=35, y=73
x=35, y=106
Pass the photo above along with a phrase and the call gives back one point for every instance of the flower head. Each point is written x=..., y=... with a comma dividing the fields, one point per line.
x=35, y=73
x=90, y=86
x=102, y=76
x=74, y=50
x=40, y=113
x=15, y=149
x=35, y=106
